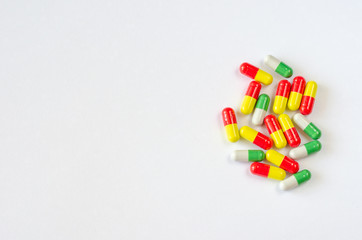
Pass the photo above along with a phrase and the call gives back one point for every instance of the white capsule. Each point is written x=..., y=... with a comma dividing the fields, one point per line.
x=258, y=116
x=240, y=155
x=300, y=120
x=272, y=62
x=298, y=153
x=289, y=183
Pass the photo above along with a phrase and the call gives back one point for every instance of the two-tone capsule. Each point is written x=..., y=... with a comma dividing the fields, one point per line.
x=247, y=155
x=305, y=150
x=265, y=170
x=249, y=100
x=275, y=131
x=295, y=180
x=255, y=73
x=230, y=124
x=281, y=96
x=289, y=130
x=256, y=137
x=308, y=98
x=308, y=127
x=278, y=66
x=282, y=161
x=296, y=93
x=260, y=109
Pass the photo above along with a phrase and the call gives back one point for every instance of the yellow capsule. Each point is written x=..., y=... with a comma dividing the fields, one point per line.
x=230, y=124
x=263, y=77
x=276, y=173
x=296, y=93
x=274, y=157
x=281, y=96
x=279, y=104
x=249, y=100
x=279, y=139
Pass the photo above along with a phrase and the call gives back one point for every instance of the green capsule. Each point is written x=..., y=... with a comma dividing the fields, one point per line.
x=278, y=66
x=295, y=180
x=247, y=155
x=309, y=128
x=305, y=150
x=261, y=108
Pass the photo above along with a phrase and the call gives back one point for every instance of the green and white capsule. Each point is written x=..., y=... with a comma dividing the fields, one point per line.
x=295, y=180
x=305, y=150
x=278, y=66
x=261, y=108
x=247, y=155
x=309, y=128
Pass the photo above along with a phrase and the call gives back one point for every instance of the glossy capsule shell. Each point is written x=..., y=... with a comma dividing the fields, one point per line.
x=261, y=108
x=275, y=131
x=255, y=73
x=295, y=180
x=305, y=150
x=308, y=98
x=249, y=100
x=256, y=137
x=265, y=170
x=230, y=124
x=282, y=161
x=247, y=155
x=296, y=93
x=289, y=130
x=281, y=96
x=278, y=66
x=308, y=127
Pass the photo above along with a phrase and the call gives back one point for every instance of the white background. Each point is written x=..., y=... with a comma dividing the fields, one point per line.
x=111, y=127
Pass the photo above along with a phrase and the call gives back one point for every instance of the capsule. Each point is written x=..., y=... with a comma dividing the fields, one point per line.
x=260, y=109
x=281, y=96
x=247, y=155
x=265, y=170
x=308, y=98
x=308, y=127
x=230, y=124
x=282, y=161
x=275, y=131
x=296, y=93
x=255, y=73
x=305, y=150
x=289, y=130
x=250, y=97
x=278, y=66
x=256, y=137
x=295, y=180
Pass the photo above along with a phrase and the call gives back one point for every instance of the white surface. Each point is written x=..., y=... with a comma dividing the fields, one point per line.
x=111, y=126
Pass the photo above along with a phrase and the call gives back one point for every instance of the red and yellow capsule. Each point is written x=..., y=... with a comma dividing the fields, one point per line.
x=282, y=161
x=281, y=96
x=275, y=131
x=265, y=170
x=296, y=93
x=256, y=137
x=250, y=97
x=308, y=99
x=255, y=73
x=289, y=130
x=230, y=124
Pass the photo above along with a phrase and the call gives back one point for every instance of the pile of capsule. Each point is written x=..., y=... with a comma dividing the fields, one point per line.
x=296, y=96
